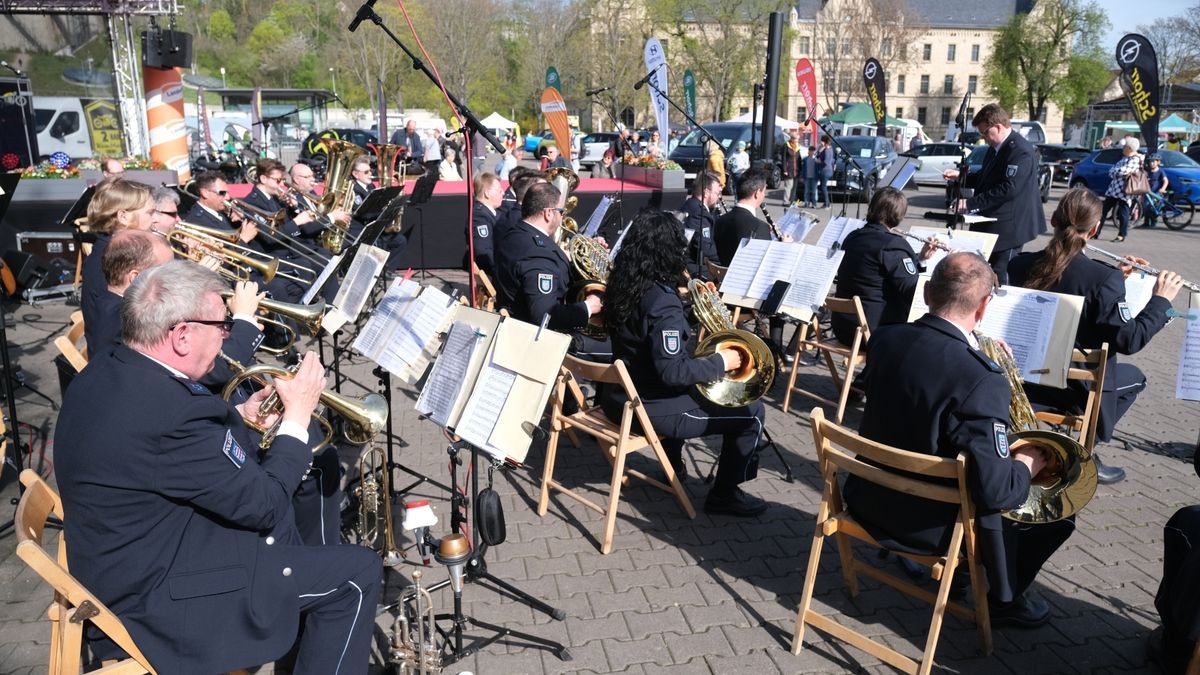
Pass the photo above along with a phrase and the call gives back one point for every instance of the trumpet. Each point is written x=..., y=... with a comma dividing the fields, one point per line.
x=307, y=316
x=1146, y=269
x=414, y=641
x=268, y=223
x=196, y=242
x=374, y=494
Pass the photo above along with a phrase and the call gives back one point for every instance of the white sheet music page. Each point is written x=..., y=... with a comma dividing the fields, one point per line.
x=356, y=287
x=1024, y=318
x=1187, y=383
x=385, y=317
x=811, y=282
x=836, y=231
x=417, y=329
x=597, y=217
x=795, y=223
x=484, y=407
x=444, y=386
x=744, y=267
x=1139, y=288
x=321, y=279
x=779, y=263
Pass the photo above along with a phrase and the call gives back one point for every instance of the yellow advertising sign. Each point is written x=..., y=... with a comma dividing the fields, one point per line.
x=105, y=128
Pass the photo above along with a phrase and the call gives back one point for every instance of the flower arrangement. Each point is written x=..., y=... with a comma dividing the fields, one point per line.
x=651, y=162
x=130, y=164
x=49, y=169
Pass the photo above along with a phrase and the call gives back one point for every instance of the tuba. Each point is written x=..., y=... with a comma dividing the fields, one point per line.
x=374, y=493
x=592, y=264
x=339, y=190
x=1068, y=482
x=386, y=156
x=750, y=381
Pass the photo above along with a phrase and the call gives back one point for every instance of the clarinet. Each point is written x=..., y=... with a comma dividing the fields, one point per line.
x=771, y=224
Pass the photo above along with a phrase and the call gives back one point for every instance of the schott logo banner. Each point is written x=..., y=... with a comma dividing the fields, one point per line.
x=1139, y=78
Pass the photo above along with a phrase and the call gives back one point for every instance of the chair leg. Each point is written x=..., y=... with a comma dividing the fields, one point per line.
x=845, y=392
x=614, y=499
x=810, y=580
x=846, y=554
x=71, y=649
x=983, y=618
x=939, y=605
x=548, y=470
x=787, y=395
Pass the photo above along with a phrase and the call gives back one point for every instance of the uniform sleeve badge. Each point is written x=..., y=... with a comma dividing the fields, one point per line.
x=1000, y=431
x=1011, y=171
x=671, y=341
x=909, y=266
x=1126, y=313
x=232, y=450
x=482, y=231
x=706, y=233
x=545, y=283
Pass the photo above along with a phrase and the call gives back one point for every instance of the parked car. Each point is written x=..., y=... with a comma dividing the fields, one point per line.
x=592, y=147
x=549, y=140
x=1193, y=151
x=1045, y=171
x=689, y=154
x=1063, y=158
x=312, y=146
x=532, y=140
x=1182, y=171
x=934, y=159
x=872, y=155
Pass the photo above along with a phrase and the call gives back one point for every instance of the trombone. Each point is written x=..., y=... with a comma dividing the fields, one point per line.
x=195, y=242
x=1146, y=269
x=268, y=226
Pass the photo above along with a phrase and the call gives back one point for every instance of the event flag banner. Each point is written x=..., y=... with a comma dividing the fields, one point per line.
x=1139, y=79
x=656, y=61
x=806, y=82
x=555, y=112
x=382, y=112
x=552, y=79
x=164, y=120
x=256, y=118
x=202, y=118
x=876, y=94
x=689, y=93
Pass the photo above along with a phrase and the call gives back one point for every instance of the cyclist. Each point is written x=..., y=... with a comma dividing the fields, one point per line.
x=1158, y=190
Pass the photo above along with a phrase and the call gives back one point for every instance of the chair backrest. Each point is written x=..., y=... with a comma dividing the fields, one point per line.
x=485, y=291
x=851, y=306
x=68, y=343
x=716, y=271
x=614, y=373
x=1098, y=360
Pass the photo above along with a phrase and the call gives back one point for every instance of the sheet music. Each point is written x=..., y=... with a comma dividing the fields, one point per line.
x=597, y=217
x=385, y=317
x=1025, y=320
x=1139, y=288
x=959, y=240
x=1187, y=383
x=744, y=267
x=811, y=281
x=779, y=262
x=836, y=231
x=356, y=287
x=321, y=279
x=484, y=407
x=621, y=239
x=445, y=383
x=793, y=222
x=416, y=329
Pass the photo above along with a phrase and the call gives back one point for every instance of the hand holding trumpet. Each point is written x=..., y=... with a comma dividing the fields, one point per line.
x=301, y=393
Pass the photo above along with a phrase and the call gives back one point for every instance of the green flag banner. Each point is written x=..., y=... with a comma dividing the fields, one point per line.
x=552, y=78
x=689, y=93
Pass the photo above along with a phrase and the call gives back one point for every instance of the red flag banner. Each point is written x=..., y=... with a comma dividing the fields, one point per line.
x=555, y=111
x=806, y=82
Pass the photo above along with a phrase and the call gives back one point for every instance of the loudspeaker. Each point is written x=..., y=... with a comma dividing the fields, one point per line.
x=28, y=269
x=166, y=49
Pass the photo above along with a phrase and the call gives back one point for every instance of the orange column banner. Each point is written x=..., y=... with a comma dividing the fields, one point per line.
x=555, y=111
x=164, y=120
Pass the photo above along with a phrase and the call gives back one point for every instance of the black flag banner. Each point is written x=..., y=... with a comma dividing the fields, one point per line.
x=876, y=92
x=1139, y=79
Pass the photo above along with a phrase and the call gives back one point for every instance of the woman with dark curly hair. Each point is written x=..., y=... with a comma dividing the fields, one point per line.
x=650, y=333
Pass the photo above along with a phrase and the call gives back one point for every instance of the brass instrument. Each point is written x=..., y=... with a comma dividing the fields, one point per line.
x=414, y=641
x=592, y=264
x=307, y=316
x=753, y=378
x=1146, y=269
x=1068, y=482
x=374, y=494
x=339, y=190
x=234, y=266
x=386, y=155
x=566, y=181
x=293, y=196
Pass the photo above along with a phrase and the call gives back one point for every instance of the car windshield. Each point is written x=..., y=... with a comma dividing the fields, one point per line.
x=726, y=136
x=1177, y=160
x=859, y=146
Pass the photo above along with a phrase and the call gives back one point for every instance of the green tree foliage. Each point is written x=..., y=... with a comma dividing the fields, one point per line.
x=1049, y=55
x=221, y=27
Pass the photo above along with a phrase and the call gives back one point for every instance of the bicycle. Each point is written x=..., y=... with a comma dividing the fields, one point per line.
x=1175, y=210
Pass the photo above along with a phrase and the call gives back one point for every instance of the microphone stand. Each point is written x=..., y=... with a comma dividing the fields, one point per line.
x=850, y=160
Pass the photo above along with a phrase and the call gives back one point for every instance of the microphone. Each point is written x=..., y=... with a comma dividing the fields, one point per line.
x=642, y=82
x=364, y=12
x=593, y=92
x=339, y=100
x=961, y=118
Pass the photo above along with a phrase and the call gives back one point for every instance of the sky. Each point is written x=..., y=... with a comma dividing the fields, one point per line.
x=1124, y=15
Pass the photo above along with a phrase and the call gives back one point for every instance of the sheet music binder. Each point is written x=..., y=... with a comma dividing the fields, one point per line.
x=809, y=269
x=382, y=340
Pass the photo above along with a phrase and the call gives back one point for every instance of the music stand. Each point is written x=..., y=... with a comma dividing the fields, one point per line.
x=421, y=194
x=900, y=172
x=376, y=202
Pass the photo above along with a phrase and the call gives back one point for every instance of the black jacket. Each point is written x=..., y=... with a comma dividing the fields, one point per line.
x=483, y=220
x=881, y=269
x=1006, y=188
x=532, y=277
x=701, y=220
x=93, y=284
x=732, y=228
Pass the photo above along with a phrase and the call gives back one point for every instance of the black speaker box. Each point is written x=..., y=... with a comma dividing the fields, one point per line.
x=28, y=269
x=166, y=49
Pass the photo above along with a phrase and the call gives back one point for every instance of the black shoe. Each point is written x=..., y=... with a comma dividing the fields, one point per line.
x=1024, y=612
x=678, y=464
x=1107, y=475
x=788, y=359
x=736, y=503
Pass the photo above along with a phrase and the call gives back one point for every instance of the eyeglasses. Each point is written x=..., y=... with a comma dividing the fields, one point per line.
x=219, y=192
x=226, y=324
x=560, y=210
x=173, y=214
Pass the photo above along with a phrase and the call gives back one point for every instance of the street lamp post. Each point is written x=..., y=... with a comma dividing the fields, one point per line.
x=223, y=85
x=333, y=80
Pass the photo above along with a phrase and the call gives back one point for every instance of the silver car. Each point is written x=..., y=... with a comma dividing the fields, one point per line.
x=934, y=159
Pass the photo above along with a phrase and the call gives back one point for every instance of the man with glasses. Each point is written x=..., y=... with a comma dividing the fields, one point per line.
x=266, y=197
x=210, y=209
x=177, y=524
x=364, y=184
x=701, y=219
x=166, y=210
x=912, y=405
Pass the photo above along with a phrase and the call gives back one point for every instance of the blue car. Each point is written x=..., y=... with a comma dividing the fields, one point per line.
x=1183, y=173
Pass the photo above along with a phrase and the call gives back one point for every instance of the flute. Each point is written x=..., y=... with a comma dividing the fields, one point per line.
x=929, y=240
x=1152, y=271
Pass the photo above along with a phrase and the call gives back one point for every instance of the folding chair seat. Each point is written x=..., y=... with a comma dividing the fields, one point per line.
x=1083, y=425
x=842, y=360
x=69, y=342
x=617, y=440
x=927, y=476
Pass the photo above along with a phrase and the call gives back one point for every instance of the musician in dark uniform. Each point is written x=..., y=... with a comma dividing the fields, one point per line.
x=1006, y=188
x=1178, y=598
x=489, y=195
x=1063, y=267
x=930, y=390
x=650, y=333
x=701, y=219
x=879, y=266
x=175, y=525
x=128, y=254
x=510, y=202
x=117, y=204
x=533, y=275
x=363, y=183
x=508, y=218
x=210, y=209
x=265, y=197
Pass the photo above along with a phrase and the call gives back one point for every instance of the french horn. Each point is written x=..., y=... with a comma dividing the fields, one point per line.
x=753, y=378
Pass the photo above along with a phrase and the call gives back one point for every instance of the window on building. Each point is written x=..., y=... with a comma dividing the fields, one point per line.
x=899, y=111
x=948, y=85
x=743, y=110
x=924, y=84
x=847, y=47
x=951, y=51
x=885, y=47
x=829, y=82
x=805, y=44
x=831, y=47
x=972, y=83
x=946, y=116
x=900, y=82
x=921, y=114
x=927, y=52
x=974, y=53
x=801, y=113
x=903, y=51
x=887, y=81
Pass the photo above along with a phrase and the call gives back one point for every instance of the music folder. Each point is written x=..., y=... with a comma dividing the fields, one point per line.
x=759, y=265
x=376, y=202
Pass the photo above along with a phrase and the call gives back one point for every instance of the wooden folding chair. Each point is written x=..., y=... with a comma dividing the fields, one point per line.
x=68, y=343
x=936, y=478
x=485, y=291
x=1083, y=425
x=834, y=351
x=73, y=604
x=616, y=439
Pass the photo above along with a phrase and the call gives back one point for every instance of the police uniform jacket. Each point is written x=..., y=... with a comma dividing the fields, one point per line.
x=881, y=269
x=312, y=228
x=1006, y=188
x=732, y=228
x=483, y=222
x=701, y=221
x=103, y=332
x=911, y=407
x=198, y=215
x=93, y=283
x=260, y=200
x=169, y=515
x=532, y=276
x=653, y=343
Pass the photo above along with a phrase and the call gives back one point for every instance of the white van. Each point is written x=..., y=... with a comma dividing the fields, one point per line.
x=62, y=127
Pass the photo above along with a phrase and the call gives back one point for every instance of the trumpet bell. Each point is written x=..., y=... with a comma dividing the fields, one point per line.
x=751, y=381
x=365, y=417
x=1061, y=489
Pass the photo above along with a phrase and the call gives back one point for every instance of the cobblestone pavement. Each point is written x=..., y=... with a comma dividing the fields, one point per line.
x=719, y=594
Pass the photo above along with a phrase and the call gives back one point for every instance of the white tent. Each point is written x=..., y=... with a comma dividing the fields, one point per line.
x=780, y=123
x=498, y=121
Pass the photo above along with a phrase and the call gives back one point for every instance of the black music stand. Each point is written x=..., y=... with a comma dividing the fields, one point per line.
x=421, y=194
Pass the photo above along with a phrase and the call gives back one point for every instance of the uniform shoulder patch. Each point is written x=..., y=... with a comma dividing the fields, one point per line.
x=232, y=450
x=1011, y=171
x=706, y=232
x=1126, y=313
x=909, y=266
x=193, y=386
x=482, y=231
x=545, y=283
x=671, y=342
x=1000, y=431
x=985, y=360
x=539, y=242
